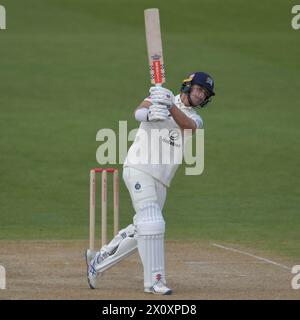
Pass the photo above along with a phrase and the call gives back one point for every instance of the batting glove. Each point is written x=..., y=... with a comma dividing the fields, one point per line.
x=160, y=95
x=158, y=113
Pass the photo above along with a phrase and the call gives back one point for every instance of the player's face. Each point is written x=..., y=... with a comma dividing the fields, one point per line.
x=198, y=94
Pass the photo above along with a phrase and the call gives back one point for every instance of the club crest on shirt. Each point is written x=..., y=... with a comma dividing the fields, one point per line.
x=174, y=135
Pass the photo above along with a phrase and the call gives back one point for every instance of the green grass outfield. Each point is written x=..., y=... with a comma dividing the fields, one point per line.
x=71, y=67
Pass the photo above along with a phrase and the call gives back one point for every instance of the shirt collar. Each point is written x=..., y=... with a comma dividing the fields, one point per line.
x=178, y=100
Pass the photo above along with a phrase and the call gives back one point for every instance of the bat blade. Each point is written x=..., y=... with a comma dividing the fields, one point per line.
x=154, y=47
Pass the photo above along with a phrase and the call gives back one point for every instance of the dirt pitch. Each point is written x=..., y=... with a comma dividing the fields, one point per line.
x=195, y=270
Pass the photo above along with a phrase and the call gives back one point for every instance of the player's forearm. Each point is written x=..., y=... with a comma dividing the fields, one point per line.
x=141, y=112
x=183, y=121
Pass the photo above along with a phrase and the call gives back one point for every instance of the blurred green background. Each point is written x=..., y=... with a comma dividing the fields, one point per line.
x=71, y=67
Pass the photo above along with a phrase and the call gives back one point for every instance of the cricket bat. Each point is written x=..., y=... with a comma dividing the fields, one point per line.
x=154, y=47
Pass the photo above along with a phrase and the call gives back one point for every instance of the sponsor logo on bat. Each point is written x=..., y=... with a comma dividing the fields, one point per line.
x=157, y=71
x=156, y=57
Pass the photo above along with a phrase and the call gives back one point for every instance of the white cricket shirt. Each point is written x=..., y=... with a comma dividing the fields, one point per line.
x=158, y=145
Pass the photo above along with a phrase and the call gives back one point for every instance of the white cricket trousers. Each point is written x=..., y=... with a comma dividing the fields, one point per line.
x=143, y=188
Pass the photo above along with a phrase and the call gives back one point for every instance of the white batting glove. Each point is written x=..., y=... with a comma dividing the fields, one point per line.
x=157, y=113
x=160, y=95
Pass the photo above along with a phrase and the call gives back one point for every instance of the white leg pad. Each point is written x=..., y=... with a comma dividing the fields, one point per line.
x=150, y=237
x=126, y=247
x=129, y=231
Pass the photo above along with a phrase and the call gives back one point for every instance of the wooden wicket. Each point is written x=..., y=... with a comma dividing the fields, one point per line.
x=104, y=179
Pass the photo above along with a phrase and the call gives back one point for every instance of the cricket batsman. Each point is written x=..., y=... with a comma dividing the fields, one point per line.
x=147, y=181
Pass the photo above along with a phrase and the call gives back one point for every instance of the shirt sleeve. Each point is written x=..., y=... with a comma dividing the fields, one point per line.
x=197, y=119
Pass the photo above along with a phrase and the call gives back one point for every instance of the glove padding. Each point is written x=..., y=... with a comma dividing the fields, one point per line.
x=160, y=95
x=157, y=112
